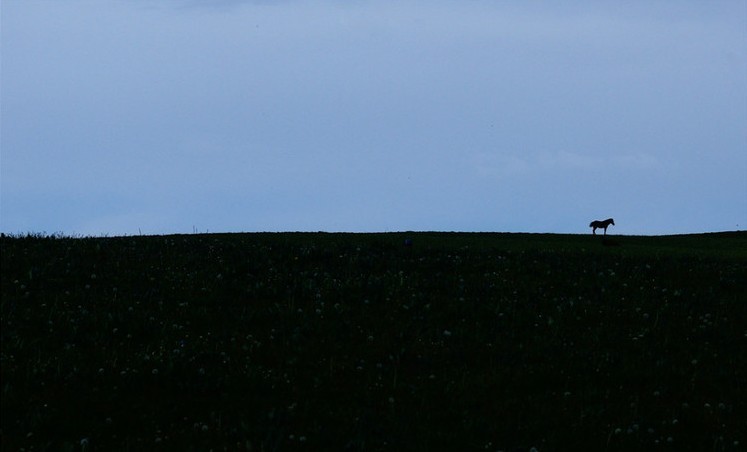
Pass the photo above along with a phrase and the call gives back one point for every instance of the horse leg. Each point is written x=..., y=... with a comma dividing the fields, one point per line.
x=594, y=230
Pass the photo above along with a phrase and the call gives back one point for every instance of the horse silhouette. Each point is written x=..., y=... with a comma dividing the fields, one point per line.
x=601, y=224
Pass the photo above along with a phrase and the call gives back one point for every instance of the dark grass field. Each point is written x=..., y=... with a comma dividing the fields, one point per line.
x=314, y=341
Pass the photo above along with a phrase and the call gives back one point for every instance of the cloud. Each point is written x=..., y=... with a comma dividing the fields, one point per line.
x=130, y=223
x=642, y=161
x=603, y=160
x=503, y=165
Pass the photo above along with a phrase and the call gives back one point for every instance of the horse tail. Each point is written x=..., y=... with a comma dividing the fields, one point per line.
x=591, y=224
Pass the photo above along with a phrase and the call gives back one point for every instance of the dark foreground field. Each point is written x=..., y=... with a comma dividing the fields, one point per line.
x=357, y=342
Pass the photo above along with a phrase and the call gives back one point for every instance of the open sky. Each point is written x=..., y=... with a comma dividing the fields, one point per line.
x=154, y=117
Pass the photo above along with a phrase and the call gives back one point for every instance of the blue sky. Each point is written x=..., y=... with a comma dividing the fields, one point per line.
x=120, y=117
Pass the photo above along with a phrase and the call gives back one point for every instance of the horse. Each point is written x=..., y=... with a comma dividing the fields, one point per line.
x=601, y=224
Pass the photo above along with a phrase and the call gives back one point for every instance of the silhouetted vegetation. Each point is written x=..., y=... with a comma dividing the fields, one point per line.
x=416, y=341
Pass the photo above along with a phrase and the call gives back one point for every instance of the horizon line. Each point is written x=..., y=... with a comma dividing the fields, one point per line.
x=63, y=235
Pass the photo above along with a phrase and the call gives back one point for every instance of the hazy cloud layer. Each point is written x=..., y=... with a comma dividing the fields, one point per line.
x=119, y=117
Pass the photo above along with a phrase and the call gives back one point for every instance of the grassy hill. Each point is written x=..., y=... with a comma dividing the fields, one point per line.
x=400, y=341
